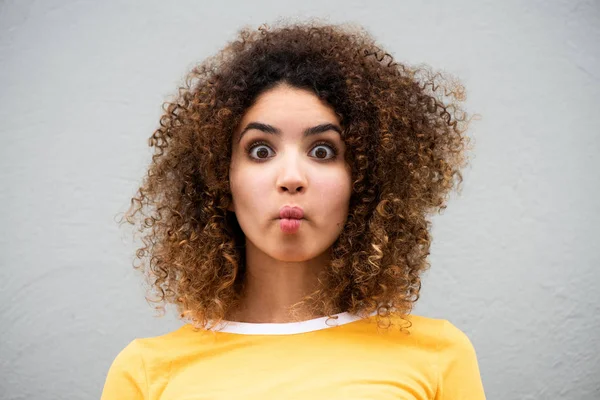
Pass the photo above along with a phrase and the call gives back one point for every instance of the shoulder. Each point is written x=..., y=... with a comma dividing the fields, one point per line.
x=423, y=324
x=454, y=341
x=439, y=335
x=160, y=345
x=457, y=364
x=423, y=328
x=444, y=332
x=126, y=375
x=140, y=355
x=139, y=364
x=129, y=358
x=141, y=351
x=138, y=349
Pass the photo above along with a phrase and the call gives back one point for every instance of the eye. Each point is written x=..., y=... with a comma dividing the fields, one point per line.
x=261, y=154
x=322, y=154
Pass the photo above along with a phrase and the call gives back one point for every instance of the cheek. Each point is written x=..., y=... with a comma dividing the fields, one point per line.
x=248, y=188
x=334, y=192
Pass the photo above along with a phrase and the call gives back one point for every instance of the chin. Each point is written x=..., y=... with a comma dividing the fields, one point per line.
x=289, y=254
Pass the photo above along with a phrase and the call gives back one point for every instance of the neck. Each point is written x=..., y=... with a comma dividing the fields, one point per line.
x=271, y=287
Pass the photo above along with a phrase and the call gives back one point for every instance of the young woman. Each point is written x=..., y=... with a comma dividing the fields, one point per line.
x=285, y=215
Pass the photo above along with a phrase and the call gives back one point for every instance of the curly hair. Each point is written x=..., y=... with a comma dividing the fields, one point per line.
x=404, y=132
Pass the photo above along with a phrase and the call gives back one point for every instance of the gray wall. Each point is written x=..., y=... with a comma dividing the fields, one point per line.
x=513, y=263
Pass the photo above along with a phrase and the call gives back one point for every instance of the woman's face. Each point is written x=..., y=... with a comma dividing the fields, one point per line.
x=294, y=164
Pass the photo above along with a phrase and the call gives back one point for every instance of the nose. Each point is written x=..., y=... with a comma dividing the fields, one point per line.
x=291, y=176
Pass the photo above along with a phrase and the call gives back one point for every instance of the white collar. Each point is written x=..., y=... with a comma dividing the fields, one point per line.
x=286, y=328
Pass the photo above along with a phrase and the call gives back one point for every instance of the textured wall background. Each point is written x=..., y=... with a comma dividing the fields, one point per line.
x=513, y=262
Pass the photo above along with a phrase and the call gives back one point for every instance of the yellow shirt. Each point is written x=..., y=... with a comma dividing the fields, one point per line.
x=347, y=358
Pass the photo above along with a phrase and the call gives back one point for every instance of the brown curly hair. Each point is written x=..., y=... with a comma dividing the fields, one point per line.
x=405, y=144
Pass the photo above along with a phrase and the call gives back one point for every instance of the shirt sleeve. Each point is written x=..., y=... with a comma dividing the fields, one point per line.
x=458, y=369
x=126, y=377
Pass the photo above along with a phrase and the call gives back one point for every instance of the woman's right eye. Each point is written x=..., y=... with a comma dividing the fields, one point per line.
x=259, y=151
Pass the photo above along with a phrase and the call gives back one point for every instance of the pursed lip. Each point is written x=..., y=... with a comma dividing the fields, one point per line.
x=291, y=212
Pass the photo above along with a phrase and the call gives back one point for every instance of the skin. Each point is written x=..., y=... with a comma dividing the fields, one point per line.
x=290, y=169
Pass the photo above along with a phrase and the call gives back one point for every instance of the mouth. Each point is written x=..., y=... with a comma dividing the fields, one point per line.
x=290, y=225
x=291, y=212
x=290, y=219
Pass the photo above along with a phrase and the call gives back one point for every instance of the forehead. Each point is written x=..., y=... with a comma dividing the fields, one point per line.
x=287, y=107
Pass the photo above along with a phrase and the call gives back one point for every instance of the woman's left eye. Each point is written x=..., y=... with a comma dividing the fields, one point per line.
x=322, y=154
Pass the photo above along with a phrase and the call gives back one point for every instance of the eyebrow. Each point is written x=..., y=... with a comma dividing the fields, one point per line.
x=276, y=131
